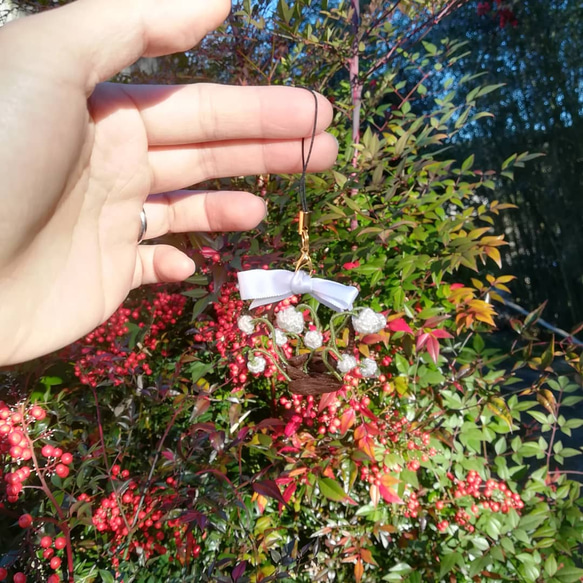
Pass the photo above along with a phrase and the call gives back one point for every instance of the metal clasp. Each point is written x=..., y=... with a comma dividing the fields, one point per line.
x=305, y=261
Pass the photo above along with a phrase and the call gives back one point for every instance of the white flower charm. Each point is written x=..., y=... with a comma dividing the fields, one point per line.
x=313, y=339
x=256, y=364
x=290, y=320
x=368, y=368
x=346, y=363
x=280, y=338
x=245, y=324
x=369, y=322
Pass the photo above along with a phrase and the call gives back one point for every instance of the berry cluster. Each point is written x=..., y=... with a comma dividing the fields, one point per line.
x=118, y=514
x=104, y=354
x=489, y=494
x=17, y=447
x=234, y=337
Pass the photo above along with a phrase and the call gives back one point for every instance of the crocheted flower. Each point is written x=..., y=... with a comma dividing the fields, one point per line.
x=245, y=324
x=346, y=363
x=280, y=338
x=290, y=320
x=313, y=339
x=256, y=364
x=368, y=322
x=368, y=368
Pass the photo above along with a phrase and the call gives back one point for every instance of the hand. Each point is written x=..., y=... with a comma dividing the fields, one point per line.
x=80, y=158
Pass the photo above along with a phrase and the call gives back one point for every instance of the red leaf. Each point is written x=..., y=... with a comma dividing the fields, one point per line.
x=389, y=495
x=421, y=340
x=292, y=427
x=399, y=325
x=326, y=400
x=366, y=444
x=269, y=423
x=289, y=491
x=359, y=432
x=347, y=420
x=358, y=570
x=368, y=413
x=268, y=488
x=374, y=338
x=433, y=348
x=239, y=570
x=440, y=333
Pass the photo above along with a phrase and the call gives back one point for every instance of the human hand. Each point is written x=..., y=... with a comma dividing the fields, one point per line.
x=80, y=158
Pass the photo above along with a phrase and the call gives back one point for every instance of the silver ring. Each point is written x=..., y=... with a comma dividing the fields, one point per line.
x=143, y=226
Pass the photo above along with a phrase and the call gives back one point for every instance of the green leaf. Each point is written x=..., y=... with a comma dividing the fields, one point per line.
x=569, y=574
x=331, y=489
x=106, y=576
x=448, y=562
x=551, y=565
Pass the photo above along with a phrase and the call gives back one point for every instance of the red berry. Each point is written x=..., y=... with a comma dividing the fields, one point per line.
x=19, y=577
x=48, y=553
x=25, y=521
x=60, y=542
x=46, y=542
x=48, y=451
x=67, y=458
x=62, y=470
x=54, y=578
x=38, y=413
x=55, y=563
x=3, y=573
x=58, y=452
x=15, y=437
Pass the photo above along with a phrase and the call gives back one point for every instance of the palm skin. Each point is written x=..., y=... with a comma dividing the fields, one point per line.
x=79, y=158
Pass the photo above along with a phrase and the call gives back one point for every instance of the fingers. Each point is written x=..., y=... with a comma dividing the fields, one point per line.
x=175, y=168
x=94, y=39
x=161, y=263
x=207, y=113
x=187, y=210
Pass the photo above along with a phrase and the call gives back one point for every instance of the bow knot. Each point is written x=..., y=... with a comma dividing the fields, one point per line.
x=272, y=286
x=301, y=283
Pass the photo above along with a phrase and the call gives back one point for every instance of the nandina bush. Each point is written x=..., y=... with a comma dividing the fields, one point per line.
x=191, y=439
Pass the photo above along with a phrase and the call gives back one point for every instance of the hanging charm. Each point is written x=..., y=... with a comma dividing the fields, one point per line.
x=305, y=260
x=272, y=286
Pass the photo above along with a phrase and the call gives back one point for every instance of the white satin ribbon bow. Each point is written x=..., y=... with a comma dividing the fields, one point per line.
x=271, y=286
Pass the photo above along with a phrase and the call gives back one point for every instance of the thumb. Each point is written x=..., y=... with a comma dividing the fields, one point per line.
x=95, y=39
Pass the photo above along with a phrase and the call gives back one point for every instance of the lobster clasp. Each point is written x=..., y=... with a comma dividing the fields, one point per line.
x=305, y=261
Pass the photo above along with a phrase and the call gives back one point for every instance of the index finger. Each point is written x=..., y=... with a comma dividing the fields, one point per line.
x=92, y=40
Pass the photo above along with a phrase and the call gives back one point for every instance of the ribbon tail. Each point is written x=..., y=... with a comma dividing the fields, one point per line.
x=334, y=295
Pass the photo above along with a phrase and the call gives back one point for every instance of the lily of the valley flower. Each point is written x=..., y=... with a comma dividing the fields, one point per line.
x=245, y=324
x=346, y=363
x=290, y=320
x=368, y=368
x=313, y=339
x=280, y=338
x=368, y=322
x=256, y=364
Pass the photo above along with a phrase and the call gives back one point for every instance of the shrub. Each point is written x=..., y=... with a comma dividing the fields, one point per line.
x=187, y=439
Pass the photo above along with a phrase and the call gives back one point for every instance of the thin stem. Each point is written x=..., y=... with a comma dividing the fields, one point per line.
x=49, y=494
x=105, y=460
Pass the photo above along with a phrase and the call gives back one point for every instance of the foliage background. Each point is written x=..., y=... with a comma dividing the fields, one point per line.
x=162, y=417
